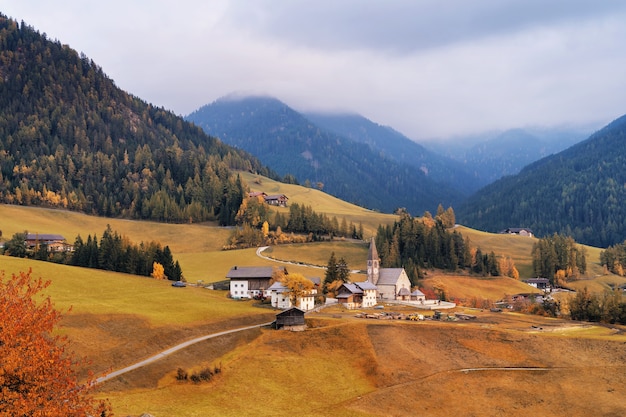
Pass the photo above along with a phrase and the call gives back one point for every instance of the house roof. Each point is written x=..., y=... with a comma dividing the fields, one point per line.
x=276, y=197
x=279, y=287
x=418, y=293
x=516, y=230
x=250, y=272
x=537, y=281
x=353, y=288
x=404, y=291
x=365, y=285
x=293, y=311
x=389, y=276
x=316, y=280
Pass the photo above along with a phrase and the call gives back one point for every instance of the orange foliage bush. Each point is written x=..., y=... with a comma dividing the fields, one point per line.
x=36, y=374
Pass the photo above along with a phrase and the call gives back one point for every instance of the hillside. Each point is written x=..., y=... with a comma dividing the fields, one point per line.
x=293, y=146
x=70, y=138
x=577, y=192
x=395, y=145
x=388, y=368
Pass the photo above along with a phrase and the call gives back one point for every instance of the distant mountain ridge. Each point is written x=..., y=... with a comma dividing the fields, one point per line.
x=490, y=157
x=290, y=144
x=398, y=147
x=577, y=192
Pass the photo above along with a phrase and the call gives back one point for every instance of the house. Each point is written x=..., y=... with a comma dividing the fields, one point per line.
x=539, y=283
x=279, y=200
x=281, y=298
x=357, y=295
x=417, y=295
x=392, y=283
x=517, y=231
x=253, y=194
x=54, y=243
x=291, y=319
x=249, y=281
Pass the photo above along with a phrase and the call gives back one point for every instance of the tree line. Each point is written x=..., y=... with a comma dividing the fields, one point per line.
x=559, y=259
x=423, y=243
x=112, y=252
x=258, y=225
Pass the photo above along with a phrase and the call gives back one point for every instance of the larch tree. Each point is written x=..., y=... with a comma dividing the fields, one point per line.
x=297, y=286
x=37, y=376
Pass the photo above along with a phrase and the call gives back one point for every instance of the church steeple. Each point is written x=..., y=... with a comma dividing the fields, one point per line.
x=373, y=264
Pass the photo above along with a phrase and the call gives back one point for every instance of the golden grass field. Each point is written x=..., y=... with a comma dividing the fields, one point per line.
x=341, y=366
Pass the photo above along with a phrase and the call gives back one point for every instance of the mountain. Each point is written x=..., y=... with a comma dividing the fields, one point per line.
x=490, y=157
x=292, y=145
x=578, y=192
x=70, y=138
x=395, y=145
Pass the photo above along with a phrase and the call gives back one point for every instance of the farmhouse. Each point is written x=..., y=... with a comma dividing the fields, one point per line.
x=249, y=281
x=539, y=283
x=54, y=243
x=357, y=294
x=253, y=194
x=279, y=200
x=280, y=296
x=517, y=231
x=392, y=283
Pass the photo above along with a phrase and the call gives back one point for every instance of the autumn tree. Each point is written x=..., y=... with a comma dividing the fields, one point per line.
x=158, y=272
x=297, y=286
x=37, y=376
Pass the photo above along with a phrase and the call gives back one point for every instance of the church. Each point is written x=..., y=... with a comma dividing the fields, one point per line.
x=392, y=283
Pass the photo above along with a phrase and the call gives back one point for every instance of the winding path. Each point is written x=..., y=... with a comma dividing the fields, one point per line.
x=171, y=350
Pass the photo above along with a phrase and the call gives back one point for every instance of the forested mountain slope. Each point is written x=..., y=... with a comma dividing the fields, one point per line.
x=395, y=145
x=578, y=192
x=70, y=138
x=292, y=145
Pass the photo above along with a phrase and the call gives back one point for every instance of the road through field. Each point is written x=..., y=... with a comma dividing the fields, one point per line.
x=171, y=350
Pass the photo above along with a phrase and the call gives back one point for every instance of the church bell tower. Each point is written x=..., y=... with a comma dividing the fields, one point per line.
x=373, y=264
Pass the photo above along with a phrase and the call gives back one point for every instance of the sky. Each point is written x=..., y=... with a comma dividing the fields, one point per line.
x=428, y=68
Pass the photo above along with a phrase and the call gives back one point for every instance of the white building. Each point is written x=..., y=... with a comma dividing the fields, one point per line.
x=392, y=283
x=280, y=297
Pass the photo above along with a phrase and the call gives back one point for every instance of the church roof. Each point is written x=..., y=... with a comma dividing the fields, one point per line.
x=389, y=276
x=373, y=254
x=404, y=291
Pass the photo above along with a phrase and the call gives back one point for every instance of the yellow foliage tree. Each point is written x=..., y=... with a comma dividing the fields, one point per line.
x=265, y=228
x=158, y=272
x=297, y=286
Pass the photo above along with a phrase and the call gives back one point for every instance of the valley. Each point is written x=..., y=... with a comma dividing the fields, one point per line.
x=341, y=365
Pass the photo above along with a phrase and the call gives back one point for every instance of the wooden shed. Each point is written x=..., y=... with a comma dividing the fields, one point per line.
x=291, y=319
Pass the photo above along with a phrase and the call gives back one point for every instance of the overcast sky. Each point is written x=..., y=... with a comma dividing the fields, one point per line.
x=428, y=68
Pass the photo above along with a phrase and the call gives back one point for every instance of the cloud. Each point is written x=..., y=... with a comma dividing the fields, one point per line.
x=428, y=68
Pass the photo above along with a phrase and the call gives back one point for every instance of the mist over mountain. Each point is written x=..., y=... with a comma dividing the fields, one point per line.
x=578, y=192
x=292, y=145
x=491, y=156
